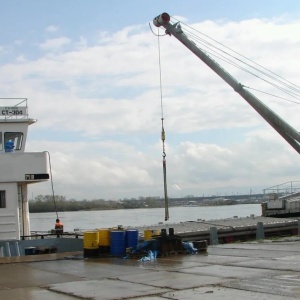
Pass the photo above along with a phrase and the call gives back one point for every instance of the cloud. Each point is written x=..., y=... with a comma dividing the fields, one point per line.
x=52, y=28
x=99, y=112
x=18, y=42
x=55, y=44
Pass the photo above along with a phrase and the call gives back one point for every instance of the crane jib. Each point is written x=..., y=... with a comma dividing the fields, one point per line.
x=291, y=135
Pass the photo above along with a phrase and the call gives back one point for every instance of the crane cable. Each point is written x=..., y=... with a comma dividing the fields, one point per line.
x=53, y=195
x=163, y=137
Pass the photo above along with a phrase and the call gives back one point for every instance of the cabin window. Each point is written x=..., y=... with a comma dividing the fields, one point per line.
x=16, y=137
x=2, y=199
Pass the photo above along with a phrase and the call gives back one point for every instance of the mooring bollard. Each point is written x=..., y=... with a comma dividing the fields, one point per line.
x=214, y=240
x=260, y=233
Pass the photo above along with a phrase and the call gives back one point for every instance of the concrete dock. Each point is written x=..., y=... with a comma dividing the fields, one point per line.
x=269, y=269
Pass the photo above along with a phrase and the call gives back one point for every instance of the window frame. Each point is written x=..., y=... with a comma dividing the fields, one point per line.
x=2, y=199
x=16, y=137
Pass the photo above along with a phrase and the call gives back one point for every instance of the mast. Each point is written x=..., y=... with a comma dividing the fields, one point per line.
x=291, y=135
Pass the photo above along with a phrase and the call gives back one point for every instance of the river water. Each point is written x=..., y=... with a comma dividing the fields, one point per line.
x=138, y=217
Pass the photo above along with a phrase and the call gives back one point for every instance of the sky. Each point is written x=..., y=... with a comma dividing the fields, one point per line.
x=91, y=73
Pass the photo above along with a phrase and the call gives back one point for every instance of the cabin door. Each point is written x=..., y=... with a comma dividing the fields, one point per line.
x=23, y=210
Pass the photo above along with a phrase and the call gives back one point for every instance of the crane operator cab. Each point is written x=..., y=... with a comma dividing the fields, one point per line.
x=14, y=124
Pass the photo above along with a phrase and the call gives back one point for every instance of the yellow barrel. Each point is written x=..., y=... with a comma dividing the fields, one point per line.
x=90, y=239
x=104, y=237
x=149, y=233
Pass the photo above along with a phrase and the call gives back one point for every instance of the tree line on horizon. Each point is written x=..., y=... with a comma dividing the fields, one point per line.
x=48, y=203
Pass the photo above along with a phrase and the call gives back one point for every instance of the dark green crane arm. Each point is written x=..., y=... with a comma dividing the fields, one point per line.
x=291, y=135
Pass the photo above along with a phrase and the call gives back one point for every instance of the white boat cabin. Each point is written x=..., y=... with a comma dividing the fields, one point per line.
x=17, y=169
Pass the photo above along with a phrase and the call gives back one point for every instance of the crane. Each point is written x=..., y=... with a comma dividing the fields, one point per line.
x=291, y=135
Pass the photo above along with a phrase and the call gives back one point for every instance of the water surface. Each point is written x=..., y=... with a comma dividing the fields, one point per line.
x=139, y=217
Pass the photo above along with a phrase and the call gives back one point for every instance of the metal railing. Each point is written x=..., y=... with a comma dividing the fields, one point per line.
x=284, y=189
x=40, y=235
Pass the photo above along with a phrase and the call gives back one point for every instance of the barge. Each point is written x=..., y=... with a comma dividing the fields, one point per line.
x=283, y=200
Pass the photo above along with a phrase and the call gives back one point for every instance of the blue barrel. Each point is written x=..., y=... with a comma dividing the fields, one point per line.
x=117, y=243
x=131, y=238
x=9, y=146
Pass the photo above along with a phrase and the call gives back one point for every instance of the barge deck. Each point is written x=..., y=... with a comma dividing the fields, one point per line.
x=229, y=230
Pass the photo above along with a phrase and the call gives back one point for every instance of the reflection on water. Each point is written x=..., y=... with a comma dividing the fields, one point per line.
x=139, y=217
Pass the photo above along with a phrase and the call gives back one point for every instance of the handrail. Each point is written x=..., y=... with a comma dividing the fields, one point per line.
x=43, y=235
x=286, y=186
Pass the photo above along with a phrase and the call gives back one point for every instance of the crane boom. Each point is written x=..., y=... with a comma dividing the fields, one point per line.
x=291, y=135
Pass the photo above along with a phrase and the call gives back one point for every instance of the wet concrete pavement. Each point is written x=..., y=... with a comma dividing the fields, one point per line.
x=262, y=270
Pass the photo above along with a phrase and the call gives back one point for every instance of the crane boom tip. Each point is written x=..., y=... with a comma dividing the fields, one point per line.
x=162, y=18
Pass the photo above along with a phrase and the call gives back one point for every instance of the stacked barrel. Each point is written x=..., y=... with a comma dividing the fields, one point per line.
x=90, y=243
x=131, y=239
x=150, y=233
x=106, y=241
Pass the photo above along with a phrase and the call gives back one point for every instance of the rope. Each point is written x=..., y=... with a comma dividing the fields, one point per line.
x=52, y=185
x=165, y=171
x=163, y=137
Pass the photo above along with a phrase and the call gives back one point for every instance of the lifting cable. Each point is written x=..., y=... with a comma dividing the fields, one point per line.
x=53, y=196
x=163, y=137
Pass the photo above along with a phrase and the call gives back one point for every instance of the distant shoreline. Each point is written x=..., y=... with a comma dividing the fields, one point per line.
x=43, y=210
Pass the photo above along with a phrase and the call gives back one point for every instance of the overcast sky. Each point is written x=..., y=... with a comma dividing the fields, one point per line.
x=90, y=72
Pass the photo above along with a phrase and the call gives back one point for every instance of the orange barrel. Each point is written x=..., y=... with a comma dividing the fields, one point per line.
x=90, y=239
x=117, y=242
x=104, y=236
x=149, y=233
